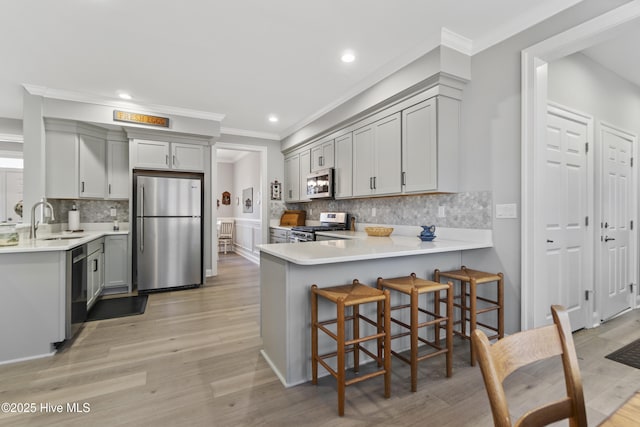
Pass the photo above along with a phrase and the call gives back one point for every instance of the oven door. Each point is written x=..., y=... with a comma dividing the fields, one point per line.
x=297, y=236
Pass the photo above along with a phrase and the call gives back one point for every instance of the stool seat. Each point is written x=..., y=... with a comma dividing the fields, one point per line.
x=408, y=283
x=413, y=287
x=467, y=274
x=355, y=293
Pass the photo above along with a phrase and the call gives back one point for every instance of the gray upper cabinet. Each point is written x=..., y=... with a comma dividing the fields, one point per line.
x=410, y=147
x=419, y=147
x=187, y=157
x=168, y=155
x=151, y=154
x=377, y=157
x=343, y=172
x=322, y=155
x=292, y=178
x=430, y=134
x=117, y=169
x=75, y=156
x=305, y=169
x=93, y=180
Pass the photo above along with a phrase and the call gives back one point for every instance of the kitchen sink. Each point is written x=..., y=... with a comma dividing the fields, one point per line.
x=62, y=237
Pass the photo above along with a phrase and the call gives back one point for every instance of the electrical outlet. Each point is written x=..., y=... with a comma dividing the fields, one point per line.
x=113, y=212
x=441, y=213
x=373, y=211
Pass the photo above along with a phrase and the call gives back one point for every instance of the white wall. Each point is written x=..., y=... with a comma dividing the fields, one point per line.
x=246, y=174
x=10, y=127
x=579, y=82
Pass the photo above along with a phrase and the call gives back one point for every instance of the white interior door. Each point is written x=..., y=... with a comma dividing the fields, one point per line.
x=616, y=247
x=568, y=252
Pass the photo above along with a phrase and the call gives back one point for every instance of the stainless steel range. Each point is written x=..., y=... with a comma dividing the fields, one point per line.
x=328, y=221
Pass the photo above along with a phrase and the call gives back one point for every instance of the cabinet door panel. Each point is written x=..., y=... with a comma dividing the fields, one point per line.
x=62, y=165
x=187, y=157
x=92, y=167
x=305, y=168
x=363, y=158
x=292, y=178
x=115, y=261
x=343, y=173
x=151, y=154
x=387, y=156
x=117, y=170
x=419, y=147
x=322, y=156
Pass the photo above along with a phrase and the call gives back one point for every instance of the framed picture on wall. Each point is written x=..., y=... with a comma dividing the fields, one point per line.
x=247, y=200
x=276, y=190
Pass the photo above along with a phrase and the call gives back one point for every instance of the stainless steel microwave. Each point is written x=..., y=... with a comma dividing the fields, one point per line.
x=320, y=184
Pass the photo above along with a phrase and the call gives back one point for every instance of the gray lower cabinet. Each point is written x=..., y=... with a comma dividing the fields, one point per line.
x=278, y=235
x=116, y=250
x=95, y=270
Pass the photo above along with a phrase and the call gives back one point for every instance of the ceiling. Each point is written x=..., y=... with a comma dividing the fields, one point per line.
x=241, y=59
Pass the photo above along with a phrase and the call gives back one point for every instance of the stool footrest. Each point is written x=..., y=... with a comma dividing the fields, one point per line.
x=364, y=377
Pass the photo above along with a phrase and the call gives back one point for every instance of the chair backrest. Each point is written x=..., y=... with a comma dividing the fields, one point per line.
x=226, y=230
x=499, y=360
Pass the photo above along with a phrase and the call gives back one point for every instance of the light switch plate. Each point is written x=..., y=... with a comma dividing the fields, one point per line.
x=509, y=210
x=441, y=213
x=113, y=212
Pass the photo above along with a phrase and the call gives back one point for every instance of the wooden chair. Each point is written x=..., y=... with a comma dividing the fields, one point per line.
x=499, y=360
x=225, y=235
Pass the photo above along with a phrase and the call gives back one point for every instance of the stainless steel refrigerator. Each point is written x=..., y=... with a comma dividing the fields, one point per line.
x=168, y=234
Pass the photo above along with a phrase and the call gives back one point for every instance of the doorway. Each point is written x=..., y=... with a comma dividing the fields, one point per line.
x=239, y=173
x=535, y=62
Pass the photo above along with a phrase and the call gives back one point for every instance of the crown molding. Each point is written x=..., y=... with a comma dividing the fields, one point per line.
x=455, y=41
x=9, y=137
x=64, y=95
x=250, y=133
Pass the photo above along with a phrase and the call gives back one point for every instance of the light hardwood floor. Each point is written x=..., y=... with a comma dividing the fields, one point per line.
x=193, y=359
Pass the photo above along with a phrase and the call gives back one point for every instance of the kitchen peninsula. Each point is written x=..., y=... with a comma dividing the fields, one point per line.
x=287, y=272
x=34, y=291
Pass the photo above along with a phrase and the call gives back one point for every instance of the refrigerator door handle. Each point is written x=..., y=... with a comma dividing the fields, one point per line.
x=142, y=221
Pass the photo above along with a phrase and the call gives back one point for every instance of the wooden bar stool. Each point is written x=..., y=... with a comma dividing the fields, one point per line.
x=468, y=302
x=353, y=296
x=414, y=287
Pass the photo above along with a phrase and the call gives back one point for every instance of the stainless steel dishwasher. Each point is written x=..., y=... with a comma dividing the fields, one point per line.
x=76, y=300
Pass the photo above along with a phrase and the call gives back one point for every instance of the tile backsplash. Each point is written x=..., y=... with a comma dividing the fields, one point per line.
x=90, y=210
x=461, y=210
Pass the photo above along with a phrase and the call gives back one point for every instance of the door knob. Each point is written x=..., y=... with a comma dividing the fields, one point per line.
x=549, y=241
x=607, y=238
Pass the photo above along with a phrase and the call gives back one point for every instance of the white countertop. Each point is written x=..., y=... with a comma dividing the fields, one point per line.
x=42, y=245
x=357, y=246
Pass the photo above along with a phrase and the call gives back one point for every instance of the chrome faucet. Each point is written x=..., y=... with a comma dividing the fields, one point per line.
x=34, y=223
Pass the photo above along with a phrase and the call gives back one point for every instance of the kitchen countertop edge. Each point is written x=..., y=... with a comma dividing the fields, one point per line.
x=365, y=248
x=41, y=245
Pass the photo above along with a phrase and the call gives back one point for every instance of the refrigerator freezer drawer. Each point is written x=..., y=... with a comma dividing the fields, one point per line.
x=168, y=252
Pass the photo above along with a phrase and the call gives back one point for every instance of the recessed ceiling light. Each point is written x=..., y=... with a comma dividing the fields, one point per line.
x=348, y=56
x=124, y=95
x=273, y=119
